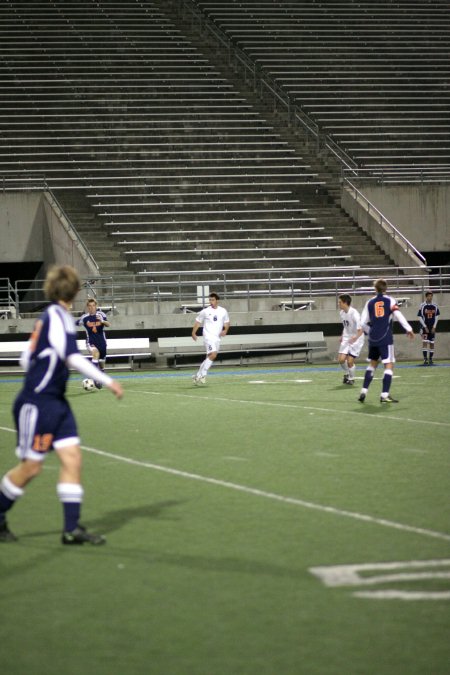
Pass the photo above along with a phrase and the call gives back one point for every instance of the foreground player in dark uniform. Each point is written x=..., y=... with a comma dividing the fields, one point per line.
x=376, y=319
x=43, y=417
x=428, y=316
x=95, y=321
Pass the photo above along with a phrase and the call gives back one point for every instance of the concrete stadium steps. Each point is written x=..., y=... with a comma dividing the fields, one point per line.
x=90, y=229
x=136, y=128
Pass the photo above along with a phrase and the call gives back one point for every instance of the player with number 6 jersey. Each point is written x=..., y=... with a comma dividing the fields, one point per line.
x=376, y=320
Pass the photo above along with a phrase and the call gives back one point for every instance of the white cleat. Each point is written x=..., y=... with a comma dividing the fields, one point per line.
x=195, y=379
x=202, y=380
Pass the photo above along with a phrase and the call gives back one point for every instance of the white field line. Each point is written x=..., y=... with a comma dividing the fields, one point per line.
x=267, y=495
x=295, y=406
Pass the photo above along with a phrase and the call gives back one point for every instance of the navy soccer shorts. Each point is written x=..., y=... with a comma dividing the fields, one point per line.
x=43, y=424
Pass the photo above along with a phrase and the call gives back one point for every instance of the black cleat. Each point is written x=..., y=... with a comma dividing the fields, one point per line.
x=425, y=362
x=98, y=385
x=388, y=399
x=5, y=534
x=349, y=381
x=345, y=380
x=81, y=536
x=431, y=362
x=362, y=398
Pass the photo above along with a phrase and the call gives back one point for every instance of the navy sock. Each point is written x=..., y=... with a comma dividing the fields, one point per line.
x=5, y=505
x=368, y=377
x=71, y=515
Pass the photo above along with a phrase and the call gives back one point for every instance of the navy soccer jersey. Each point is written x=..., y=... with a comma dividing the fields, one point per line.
x=95, y=330
x=377, y=315
x=428, y=314
x=52, y=341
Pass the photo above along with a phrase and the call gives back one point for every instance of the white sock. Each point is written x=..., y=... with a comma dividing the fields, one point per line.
x=206, y=365
x=351, y=372
x=70, y=492
x=10, y=490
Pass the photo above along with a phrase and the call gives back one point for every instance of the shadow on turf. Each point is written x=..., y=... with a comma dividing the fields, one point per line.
x=114, y=520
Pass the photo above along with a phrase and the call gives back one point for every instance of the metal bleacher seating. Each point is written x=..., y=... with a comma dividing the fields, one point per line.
x=116, y=108
x=372, y=76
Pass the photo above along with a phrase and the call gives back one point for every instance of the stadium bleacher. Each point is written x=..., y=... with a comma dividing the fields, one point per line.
x=162, y=164
x=372, y=76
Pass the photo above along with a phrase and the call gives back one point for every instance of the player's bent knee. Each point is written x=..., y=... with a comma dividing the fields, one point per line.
x=31, y=468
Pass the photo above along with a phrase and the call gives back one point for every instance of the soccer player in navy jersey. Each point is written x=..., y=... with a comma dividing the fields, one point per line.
x=94, y=322
x=43, y=417
x=376, y=319
x=428, y=316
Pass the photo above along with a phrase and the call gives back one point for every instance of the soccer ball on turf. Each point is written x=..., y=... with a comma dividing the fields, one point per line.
x=88, y=385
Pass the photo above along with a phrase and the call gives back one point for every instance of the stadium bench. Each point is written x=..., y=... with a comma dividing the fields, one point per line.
x=295, y=305
x=245, y=345
x=7, y=312
x=134, y=349
x=191, y=308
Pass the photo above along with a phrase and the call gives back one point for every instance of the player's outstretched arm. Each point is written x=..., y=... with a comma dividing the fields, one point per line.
x=116, y=388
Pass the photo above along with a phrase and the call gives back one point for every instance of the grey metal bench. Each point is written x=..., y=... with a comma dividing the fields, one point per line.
x=134, y=349
x=246, y=345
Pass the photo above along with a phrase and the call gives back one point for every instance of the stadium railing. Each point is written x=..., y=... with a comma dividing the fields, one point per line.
x=169, y=291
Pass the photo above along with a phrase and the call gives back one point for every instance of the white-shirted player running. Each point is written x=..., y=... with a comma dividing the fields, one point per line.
x=216, y=324
x=351, y=342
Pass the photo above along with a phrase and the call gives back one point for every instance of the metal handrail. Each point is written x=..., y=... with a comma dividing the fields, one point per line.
x=386, y=224
x=112, y=291
x=8, y=299
x=71, y=230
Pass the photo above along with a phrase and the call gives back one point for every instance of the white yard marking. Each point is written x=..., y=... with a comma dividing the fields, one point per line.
x=403, y=595
x=326, y=454
x=271, y=495
x=264, y=494
x=391, y=572
x=278, y=382
x=295, y=406
x=235, y=459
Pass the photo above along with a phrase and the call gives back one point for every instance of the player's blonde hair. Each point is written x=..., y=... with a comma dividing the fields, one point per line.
x=380, y=285
x=61, y=283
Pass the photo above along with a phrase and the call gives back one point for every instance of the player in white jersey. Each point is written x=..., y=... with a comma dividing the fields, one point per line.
x=216, y=324
x=44, y=419
x=351, y=341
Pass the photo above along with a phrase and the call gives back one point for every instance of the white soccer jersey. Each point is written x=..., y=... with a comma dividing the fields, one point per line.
x=351, y=322
x=213, y=321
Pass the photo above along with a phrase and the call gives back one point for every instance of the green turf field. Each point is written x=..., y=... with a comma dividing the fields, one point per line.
x=264, y=524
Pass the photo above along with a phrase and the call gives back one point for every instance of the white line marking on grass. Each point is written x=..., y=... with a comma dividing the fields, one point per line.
x=326, y=454
x=295, y=406
x=271, y=495
x=403, y=595
x=279, y=382
x=419, y=451
x=267, y=495
x=405, y=571
x=235, y=459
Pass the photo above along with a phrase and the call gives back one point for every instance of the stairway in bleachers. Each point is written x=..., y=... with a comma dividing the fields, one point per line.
x=159, y=160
